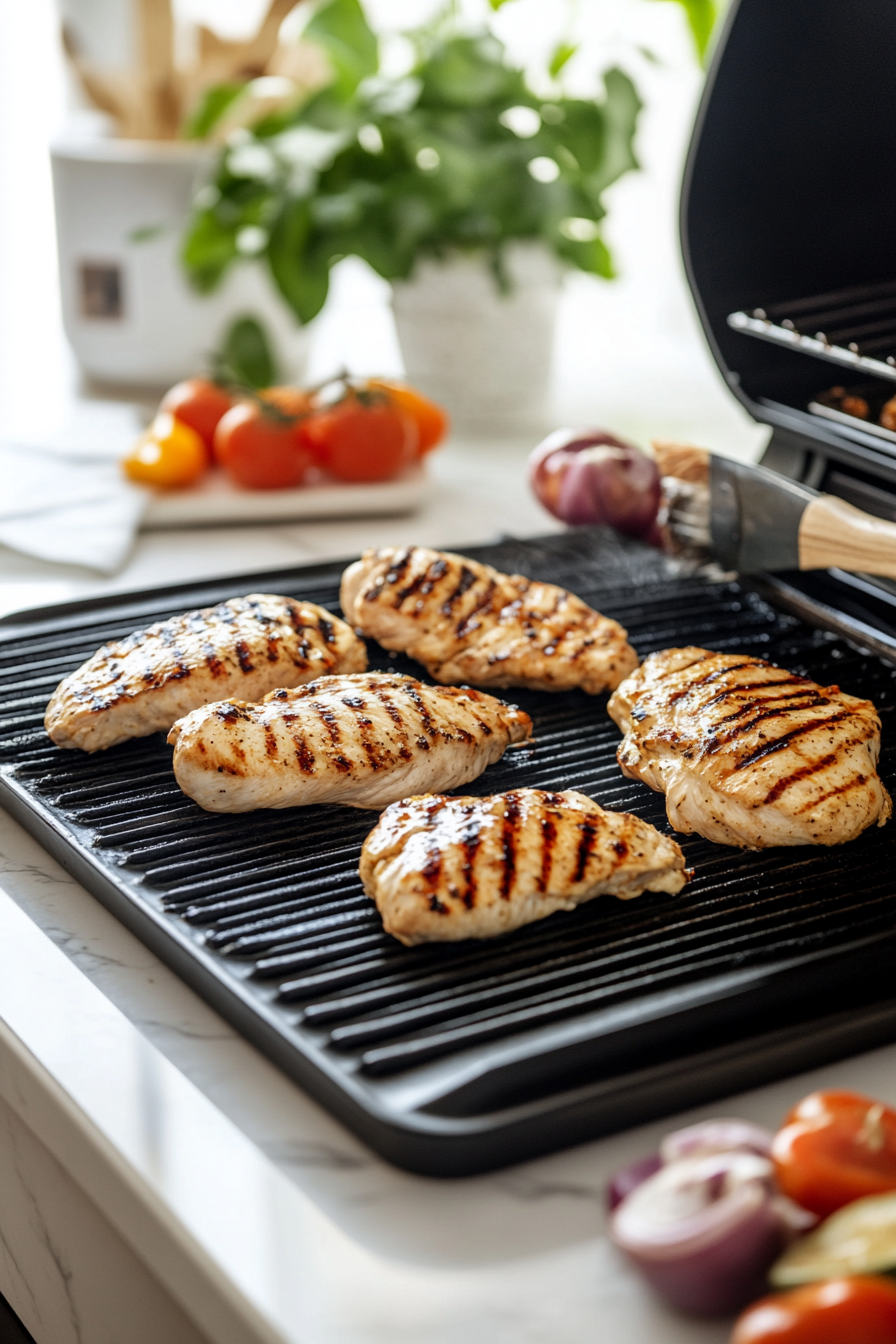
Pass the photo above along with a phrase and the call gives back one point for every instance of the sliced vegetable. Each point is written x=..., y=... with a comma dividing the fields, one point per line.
x=717, y=1136
x=630, y=1177
x=431, y=420
x=590, y=476
x=700, y=1140
x=836, y=1147
x=841, y=1311
x=199, y=403
x=859, y=1239
x=362, y=437
x=704, y=1230
x=259, y=447
x=170, y=454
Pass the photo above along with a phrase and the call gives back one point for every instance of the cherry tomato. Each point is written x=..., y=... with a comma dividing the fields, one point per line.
x=835, y=1147
x=431, y=420
x=199, y=403
x=363, y=437
x=168, y=455
x=261, y=449
x=840, y=1311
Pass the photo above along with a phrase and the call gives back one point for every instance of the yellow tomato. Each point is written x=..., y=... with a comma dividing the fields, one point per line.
x=168, y=455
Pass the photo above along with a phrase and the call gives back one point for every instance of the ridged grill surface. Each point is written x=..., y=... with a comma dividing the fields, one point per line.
x=276, y=898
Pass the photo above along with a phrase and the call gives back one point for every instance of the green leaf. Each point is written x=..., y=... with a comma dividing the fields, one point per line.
x=592, y=257
x=563, y=52
x=208, y=250
x=701, y=16
x=620, y=109
x=245, y=356
x=468, y=72
x=210, y=109
x=497, y=4
x=300, y=272
x=345, y=35
x=147, y=233
x=583, y=133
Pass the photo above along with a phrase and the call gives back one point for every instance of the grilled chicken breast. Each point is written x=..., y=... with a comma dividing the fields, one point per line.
x=246, y=646
x=362, y=741
x=442, y=869
x=465, y=622
x=748, y=754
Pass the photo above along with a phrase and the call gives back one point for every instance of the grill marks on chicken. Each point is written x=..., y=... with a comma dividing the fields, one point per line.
x=246, y=646
x=748, y=754
x=443, y=869
x=360, y=741
x=466, y=622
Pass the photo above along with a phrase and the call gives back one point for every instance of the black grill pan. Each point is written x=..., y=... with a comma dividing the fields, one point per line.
x=450, y=1060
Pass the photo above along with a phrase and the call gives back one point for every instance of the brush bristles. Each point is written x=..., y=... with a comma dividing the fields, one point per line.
x=683, y=516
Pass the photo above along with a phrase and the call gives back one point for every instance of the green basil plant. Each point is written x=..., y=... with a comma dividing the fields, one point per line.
x=461, y=154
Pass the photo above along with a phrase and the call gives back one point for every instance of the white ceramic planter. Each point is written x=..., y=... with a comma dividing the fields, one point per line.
x=128, y=311
x=484, y=355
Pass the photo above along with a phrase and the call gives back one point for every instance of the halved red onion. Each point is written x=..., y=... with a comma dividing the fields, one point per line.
x=630, y=1177
x=707, y=1136
x=717, y=1136
x=705, y=1230
x=591, y=476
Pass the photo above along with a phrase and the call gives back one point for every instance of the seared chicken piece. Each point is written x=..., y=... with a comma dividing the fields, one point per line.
x=465, y=622
x=246, y=646
x=748, y=754
x=441, y=869
x=361, y=741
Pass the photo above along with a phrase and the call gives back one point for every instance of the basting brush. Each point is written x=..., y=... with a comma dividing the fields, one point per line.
x=692, y=502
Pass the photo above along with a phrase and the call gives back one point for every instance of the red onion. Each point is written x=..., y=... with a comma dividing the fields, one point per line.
x=717, y=1136
x=591, y=476
x=707, y=1136
x=705, y=1230
x=630, y=1177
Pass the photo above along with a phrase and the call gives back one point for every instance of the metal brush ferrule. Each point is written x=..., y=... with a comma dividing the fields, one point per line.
x=755, y=517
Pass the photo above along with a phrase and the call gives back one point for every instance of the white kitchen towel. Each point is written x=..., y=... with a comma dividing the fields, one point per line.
x=65, y=498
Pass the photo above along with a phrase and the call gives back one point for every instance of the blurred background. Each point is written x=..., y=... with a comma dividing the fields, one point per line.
x=99, y=309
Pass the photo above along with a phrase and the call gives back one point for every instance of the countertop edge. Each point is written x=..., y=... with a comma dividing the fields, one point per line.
x=86, y=1149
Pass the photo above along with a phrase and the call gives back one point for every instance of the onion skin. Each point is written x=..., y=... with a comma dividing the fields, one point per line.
x=704, y=1231
x=590, y=476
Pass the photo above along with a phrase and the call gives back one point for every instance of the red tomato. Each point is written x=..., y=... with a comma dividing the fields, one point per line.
x=836, y=1147
x=261, y=451
x=200, y=404
x=431, y=420
x=840, y=1311
x=361, y=437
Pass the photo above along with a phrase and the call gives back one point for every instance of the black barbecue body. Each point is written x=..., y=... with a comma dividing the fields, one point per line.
x=788, y=216
x=456, y=1059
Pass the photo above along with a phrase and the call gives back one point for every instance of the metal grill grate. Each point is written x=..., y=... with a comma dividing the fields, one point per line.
x=457, y=1057
x=855, y=327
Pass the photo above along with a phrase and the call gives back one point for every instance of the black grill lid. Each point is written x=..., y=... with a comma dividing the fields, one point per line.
x=457, y=1058
x=787, y=218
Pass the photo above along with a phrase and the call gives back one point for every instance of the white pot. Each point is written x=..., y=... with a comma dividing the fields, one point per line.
x=486, y=356
x=128, y=310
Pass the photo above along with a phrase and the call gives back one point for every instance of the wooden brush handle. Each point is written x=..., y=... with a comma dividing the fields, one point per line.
x=833, y=533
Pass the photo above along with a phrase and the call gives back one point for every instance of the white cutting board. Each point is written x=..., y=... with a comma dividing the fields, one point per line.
x=216, y=500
